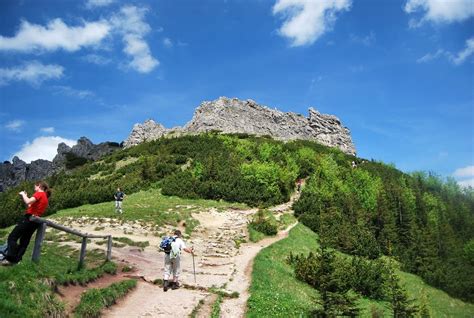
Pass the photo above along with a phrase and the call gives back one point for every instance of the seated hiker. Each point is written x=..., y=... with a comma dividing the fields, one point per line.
x=23, y=231
x=173, y=260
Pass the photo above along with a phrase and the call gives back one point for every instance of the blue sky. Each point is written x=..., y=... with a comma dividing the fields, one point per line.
x=399, y=74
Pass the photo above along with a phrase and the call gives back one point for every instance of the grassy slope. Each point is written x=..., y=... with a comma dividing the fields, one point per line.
x=150, y=206
x=58, y=263
x=275, y=292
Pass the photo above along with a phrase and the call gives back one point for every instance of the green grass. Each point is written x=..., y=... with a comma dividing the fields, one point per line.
x=150, y=206
x=440, y=303
x=27, y=289
x=130, y=242
x=216, y=307
x=275, y=292
x=95, y=300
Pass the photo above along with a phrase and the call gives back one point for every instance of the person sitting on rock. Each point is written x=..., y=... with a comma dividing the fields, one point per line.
x=173, y=261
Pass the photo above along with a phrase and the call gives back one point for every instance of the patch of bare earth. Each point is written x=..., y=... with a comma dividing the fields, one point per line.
x=218, y=263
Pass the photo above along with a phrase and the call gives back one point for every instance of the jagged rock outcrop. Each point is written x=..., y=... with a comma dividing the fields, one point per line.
x=237, y=116
x=12, y=174
x=83, y=149
x=148, y=131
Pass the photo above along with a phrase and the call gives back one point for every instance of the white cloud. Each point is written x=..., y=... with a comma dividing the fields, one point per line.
x=464, y=54
x=96, y=59
x=467, y=183
x=440, y=11
x=15, y=125
x=464, y=172
x=167, y=43
x=432, y=56
x=98, y=3
x=42, y=148
x=72, y=92
x=465, y=176
x=456, y=59
x=130, y=22
x=307, y=20
x=56, y=35
x=32, y=72
x=48, y=130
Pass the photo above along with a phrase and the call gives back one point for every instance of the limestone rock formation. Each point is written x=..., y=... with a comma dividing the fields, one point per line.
x=236, y=116
x=12, y=174
x=147, y=131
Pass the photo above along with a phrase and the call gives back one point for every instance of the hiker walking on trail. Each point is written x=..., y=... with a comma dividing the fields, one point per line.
x=173, y=261
x=24, y=230
x=119, y=196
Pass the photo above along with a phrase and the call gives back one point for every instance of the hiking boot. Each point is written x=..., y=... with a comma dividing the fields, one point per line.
x=165, y=285
x=5, y=262
x=175, y=285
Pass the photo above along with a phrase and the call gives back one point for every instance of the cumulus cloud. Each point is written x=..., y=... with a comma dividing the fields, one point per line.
x=130, y=23
x=56, y=35
x=307, y=20
x=32, y=72
x=457, y=59
x=467, y=183
x=464, y=172
x=465, y=176
x=47, y=130
x=440, y=11
x=42, y=148
x=15, y=125
x=72, y=92
x=98, y=3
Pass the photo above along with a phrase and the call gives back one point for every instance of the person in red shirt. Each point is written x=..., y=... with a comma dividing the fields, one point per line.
x=24, y=230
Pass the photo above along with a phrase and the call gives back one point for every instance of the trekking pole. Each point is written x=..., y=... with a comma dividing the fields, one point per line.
x=194, y=267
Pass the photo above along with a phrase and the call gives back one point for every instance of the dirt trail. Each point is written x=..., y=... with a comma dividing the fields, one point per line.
x=219, y=264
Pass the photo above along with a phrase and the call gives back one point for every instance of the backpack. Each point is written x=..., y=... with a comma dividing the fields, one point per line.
x=165, y=244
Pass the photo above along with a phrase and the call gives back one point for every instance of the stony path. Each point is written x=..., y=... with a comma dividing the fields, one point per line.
x=219, y=263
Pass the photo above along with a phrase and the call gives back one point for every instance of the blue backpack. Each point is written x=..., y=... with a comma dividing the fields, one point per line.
x=165, y=244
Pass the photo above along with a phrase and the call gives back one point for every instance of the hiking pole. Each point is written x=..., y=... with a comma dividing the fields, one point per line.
x=194, y=267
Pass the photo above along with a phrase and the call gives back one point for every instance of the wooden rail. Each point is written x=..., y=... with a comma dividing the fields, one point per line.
x=42, y=230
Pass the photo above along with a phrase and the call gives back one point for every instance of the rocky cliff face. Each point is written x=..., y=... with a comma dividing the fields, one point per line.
x=237, y=116
x=12, y=174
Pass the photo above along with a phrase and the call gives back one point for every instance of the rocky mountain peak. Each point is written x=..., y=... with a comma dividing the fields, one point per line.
x=232, y=115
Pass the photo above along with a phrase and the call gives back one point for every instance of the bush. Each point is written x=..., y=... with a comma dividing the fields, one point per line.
x=264, y=222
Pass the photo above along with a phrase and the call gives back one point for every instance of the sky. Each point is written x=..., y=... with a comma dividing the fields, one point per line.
x=398, y=73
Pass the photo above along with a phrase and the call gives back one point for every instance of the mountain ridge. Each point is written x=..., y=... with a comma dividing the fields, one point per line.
x=232, y=115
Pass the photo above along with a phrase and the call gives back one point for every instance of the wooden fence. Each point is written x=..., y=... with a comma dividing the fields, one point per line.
x=42, y=230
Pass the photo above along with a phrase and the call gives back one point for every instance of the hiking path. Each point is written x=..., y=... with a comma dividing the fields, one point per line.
x=221, y=263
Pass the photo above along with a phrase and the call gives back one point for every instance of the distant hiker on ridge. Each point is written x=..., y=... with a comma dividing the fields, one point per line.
x=24, y=230
x=119, y=196
x=173, y=261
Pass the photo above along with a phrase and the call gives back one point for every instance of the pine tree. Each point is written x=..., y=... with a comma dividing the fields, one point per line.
x=402, y=306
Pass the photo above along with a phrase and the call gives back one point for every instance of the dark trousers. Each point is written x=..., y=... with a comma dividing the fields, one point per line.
x=22, y=233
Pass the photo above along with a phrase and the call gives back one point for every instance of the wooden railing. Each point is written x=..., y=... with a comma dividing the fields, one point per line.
x=42, y=230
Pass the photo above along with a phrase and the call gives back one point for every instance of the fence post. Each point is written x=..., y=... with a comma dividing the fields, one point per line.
x=38, y=241
x=109, y=248
x=83, y=252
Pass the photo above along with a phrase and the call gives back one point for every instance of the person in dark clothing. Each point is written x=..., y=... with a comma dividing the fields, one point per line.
x=119, y=196
x=20, y=237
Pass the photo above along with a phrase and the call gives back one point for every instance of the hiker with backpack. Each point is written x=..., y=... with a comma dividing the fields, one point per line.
x=119, y=196
x=172, y=246
x=20, y=237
